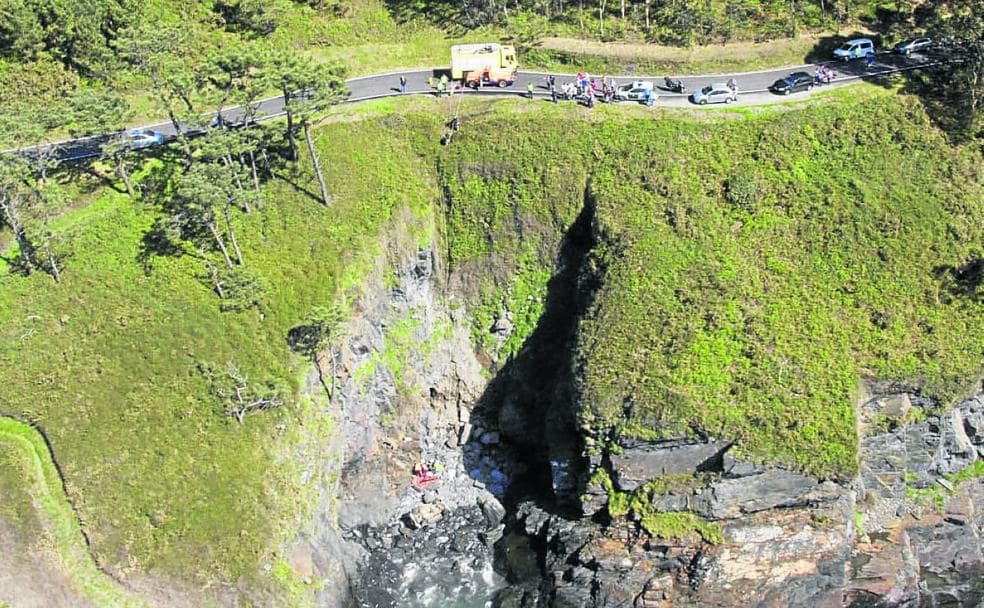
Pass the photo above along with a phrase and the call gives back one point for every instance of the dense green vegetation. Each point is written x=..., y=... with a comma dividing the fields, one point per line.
x=754, y=271
x=754, y=317
x=668, y=22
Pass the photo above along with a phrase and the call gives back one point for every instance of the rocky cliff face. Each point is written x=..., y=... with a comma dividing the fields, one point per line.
x=511, y=518
x=406, y=384
x=899, y=534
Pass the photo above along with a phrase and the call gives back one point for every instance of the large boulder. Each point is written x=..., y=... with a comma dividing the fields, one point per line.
x=424, y=515
x=643, y=462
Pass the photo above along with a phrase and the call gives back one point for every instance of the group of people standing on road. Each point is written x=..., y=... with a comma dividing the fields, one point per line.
x=585, y=87
x=823, y=75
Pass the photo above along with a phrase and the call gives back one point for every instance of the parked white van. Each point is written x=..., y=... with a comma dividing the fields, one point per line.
x=855, y=49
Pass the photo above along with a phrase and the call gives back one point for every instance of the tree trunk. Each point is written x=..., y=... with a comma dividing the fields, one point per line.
x=125, y=176
x=11, y=216
x=623, y=10
x=212, y=273
x=792, y=11
x=252, y=166
x=174, y=121
x=601, y=15
x=227, y=159
x=292, y=143
x=232, y=236
x=321, y=374
x=317, y=166
x=52, y=262
x=649, y=26
x=333, y=371
x=186, y=98
x=220, y=242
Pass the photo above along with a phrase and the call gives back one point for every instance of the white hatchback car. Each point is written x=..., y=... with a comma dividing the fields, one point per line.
x=636, y=91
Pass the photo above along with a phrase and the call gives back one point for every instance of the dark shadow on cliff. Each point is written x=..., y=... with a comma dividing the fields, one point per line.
x=531, y=398
x=531, y=404
x=945, y=93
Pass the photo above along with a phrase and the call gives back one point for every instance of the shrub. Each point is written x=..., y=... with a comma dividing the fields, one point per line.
x=743, y=191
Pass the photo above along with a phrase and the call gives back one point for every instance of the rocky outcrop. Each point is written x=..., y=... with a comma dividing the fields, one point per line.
x=449, y=558
x=912, y=457
x=921, y=537
x=787, y=539
x=770, y=489
x=776, y=558
x=781, y=558
x=641, y=462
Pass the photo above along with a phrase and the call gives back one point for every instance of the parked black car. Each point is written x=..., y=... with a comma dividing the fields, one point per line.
x=797, y=81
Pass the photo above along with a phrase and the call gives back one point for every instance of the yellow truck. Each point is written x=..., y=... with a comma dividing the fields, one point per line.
x=484, y=64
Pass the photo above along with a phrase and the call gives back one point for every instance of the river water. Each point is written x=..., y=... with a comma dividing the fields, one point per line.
x=446, y=564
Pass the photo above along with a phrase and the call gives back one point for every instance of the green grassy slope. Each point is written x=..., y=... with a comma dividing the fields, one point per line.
x=753, y=318
x=756, y=320
x=106, y=363
x=34, y=495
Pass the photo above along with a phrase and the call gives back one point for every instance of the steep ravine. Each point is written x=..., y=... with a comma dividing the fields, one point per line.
x=518, y=516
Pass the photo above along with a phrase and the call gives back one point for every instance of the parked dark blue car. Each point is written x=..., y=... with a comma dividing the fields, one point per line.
x=797, y=81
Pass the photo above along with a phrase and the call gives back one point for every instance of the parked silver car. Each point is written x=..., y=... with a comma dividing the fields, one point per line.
x=714, y=93
x=138, y=139
x=855, y=49
x=913, y=45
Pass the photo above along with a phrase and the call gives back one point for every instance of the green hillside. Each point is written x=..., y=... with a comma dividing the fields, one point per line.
x=754, y=267
x=107, y=362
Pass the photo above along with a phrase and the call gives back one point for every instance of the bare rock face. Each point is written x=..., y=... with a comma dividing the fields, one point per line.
x=788, y=539
x=425, y=514
x=390, y=416
x=935, y=560
x=780, y=558
x=774, y=488
x=777, y=558
x=642, y=462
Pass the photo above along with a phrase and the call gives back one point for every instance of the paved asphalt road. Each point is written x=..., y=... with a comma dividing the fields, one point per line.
x=752, y=89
